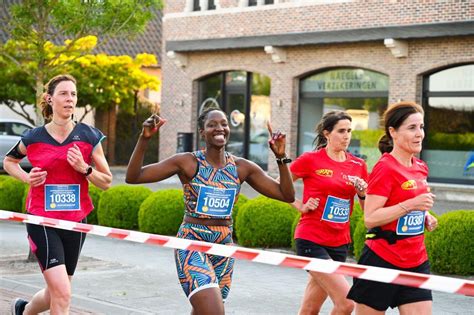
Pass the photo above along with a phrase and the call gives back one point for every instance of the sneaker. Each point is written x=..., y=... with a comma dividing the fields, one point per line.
x=18, y=306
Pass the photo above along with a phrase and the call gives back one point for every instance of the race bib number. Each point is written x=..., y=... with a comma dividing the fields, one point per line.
x=216, y=202
x=62, y=197
x=336, y=210
x=412, y=223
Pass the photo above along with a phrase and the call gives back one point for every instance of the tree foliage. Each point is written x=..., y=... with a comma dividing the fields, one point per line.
x=36, y=27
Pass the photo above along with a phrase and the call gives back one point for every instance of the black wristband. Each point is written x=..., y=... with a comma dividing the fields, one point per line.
x=283, y=160
x=88, y=171
x=360, y=197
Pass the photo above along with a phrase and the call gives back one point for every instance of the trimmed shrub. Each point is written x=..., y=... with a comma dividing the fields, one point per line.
x=238, y=205
x=358, y=238
x=162, y=212
x=3, y=177
x=264, y=222
x=293, y=228
x=95, y=194
x=25, y=195
x=11, y=194
x=448, y=245
x=118, y=206
x=357, y=214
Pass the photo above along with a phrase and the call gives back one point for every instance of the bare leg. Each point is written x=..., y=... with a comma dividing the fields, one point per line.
x=337, y=288
x=313, y=299
x=417, y=308
x=56, y=296
x=207, y=302
x=362, y=309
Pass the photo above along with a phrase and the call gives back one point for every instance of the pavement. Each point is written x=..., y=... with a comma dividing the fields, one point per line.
x=121, y=277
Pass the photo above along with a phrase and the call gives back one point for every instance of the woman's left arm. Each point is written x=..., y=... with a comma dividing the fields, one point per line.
x=282, y=190
x=101, y=175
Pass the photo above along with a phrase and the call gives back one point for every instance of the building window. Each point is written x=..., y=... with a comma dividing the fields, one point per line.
x=196, y=5
x=211, y=5
x=245, y=97
x=448, y=100
x=253, y=3
x=362, y=93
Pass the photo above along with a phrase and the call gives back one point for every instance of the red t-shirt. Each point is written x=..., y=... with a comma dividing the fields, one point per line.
x=330, y=181
x=65, y=194
x=398, y=183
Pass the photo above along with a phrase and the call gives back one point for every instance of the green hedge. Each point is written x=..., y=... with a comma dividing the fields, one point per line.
x=264, y=222
x=235, y=211
x=358, y=238
x=356, y=216
x=293, y=228
x=450, y=246
x=23, y=200
x=162, y=212
x=95, y=194
x=451, y=141
x=118, y=206
x=11, y=194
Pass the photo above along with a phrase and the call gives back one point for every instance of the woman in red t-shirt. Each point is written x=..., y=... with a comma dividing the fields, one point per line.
x=396, y=212
x=331, y=178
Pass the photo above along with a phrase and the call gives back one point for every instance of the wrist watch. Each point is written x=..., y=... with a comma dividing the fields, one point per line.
x=283, y=160
x=88, y=171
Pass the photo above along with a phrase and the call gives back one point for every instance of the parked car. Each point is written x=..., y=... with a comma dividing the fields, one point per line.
x=10, y=133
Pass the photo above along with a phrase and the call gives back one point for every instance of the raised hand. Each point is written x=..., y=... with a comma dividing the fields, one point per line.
x=277, y=141
x=151, y=125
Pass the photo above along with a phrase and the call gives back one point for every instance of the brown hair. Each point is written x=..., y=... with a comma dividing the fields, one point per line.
x=328, y=122
x=46, y=108
x=394, y=117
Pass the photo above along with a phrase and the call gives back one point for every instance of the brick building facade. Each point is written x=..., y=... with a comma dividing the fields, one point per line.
x=290, y=41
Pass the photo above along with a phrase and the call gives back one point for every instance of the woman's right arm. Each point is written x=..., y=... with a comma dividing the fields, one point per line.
x=376, y=214
x=11, y=165
x=137, y=173
x=311, y=203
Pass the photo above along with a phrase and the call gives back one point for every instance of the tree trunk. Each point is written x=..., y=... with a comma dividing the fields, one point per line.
x=106, y=121
x=39, y=95
x=112, y=134
x=101, y=123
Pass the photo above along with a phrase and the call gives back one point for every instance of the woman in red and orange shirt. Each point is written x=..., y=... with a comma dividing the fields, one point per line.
x=332, y=177
x=396, y=212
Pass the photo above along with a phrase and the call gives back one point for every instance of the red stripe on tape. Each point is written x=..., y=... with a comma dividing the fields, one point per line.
x=242, y=254
x=50, y=222
x=118, y=233
x=353, y=271
x=295, y=262
x=18, y=217
x=466, y=289
x=199, y=247
x=157, y=240
x=410, y=280
x=81, y=227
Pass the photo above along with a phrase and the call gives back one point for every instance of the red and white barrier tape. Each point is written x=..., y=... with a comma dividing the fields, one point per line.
x=417, y=280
